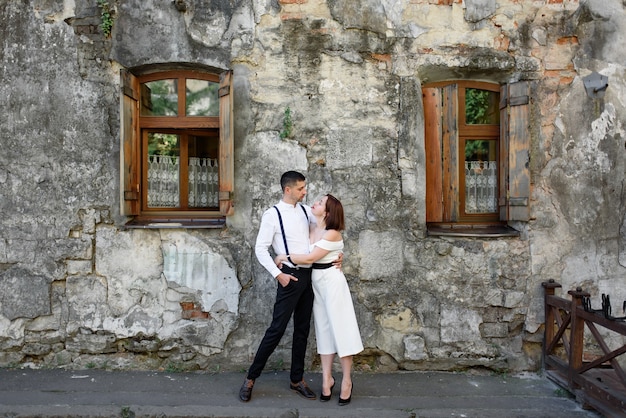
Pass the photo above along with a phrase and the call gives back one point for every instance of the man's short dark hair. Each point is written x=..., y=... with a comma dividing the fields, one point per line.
x=290, y=178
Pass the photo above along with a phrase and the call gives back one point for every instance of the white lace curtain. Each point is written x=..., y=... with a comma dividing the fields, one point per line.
x=481, y=183
x=163, y=182
x=203, y=182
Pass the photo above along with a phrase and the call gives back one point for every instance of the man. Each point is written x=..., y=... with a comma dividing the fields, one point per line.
x=286, y=228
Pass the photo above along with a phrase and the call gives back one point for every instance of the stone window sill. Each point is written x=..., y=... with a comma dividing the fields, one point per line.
x=476, y=230
x=184, y=223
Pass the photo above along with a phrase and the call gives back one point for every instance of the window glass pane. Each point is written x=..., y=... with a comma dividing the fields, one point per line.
x=481, y=177
x=159, y=98
x=481, y=107
x=203, y=172
x=163, y=170
x=201, y=99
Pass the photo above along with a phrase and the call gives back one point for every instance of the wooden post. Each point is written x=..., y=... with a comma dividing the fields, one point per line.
x=548, y=329
x=576, y=337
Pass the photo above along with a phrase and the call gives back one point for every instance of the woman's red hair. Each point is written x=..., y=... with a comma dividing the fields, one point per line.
x=334, y=214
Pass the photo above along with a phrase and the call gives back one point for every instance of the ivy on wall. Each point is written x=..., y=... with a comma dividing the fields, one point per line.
x=287, y=131
x=106, y=17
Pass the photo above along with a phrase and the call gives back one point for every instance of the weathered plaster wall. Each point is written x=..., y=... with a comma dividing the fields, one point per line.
x=77, y=289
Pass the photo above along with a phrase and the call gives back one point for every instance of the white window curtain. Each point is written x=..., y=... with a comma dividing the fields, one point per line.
x=481, y=183
x=163, y=184
x=203, y=182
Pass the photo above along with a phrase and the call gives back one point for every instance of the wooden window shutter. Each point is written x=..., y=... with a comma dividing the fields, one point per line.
x=451, y=162
x=441, y=138
x=227, y=144
x=431, y=98
x=129, y=144
x=515, y=152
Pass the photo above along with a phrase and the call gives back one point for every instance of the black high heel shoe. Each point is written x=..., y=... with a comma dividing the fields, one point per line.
x=344, y=402
x=326, y=398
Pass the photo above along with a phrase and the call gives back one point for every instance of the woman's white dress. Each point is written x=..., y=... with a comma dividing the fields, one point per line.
x=336, y=329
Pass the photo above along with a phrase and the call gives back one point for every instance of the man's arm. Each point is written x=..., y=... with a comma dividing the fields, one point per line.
x=263, y=242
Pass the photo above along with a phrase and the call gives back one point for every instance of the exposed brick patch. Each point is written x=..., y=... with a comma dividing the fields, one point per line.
x=567, y=40
x=382, y=57
x=187, y=306
x=502, y=43
x=563, y=76
x=322, y=31
x=192, y=311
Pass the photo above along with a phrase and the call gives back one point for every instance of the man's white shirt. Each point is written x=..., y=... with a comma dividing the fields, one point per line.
x=296, y=227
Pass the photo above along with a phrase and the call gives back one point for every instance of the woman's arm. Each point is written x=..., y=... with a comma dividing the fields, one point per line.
x=309, y=258
x=313, y=256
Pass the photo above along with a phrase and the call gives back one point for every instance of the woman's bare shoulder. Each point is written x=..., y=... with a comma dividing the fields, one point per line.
x=332, y=235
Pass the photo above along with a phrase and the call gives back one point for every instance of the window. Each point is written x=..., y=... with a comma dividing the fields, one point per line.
x=177, y=148
x=477, y=156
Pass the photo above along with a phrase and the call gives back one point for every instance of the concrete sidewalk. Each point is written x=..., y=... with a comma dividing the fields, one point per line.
x=98, y=393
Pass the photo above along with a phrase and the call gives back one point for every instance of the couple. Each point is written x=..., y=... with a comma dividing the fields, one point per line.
x=308, y=245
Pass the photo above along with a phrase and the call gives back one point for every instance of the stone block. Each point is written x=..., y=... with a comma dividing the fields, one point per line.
x=79, y=267
x=494, y=330
x=24, y=294
x=380, y=255
x=459, y=324
x=514, y=299
x=346, y=149
x=477, y=10
x=414, y=348
x=36, y=349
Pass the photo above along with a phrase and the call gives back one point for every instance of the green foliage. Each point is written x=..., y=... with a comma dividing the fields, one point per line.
x=477, y=106
x=163, y=144
x=12, y=365
x=106, y=18
x=479, y=110
x=280, y=364
x=476, y=150
x=127, y=412
x=174, y=368
x=287, y=131
x=161, y=100
x=198, y=100
x=562, y=393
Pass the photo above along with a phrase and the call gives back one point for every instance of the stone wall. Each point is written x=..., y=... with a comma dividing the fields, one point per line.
x=77, y=289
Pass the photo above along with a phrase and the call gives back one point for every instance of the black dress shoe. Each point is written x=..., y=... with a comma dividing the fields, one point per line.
x=344, y=402
x=245, y=393
x=326, y=398
x=303, y=390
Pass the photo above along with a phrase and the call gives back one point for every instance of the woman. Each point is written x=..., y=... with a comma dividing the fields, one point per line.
x=336, y=329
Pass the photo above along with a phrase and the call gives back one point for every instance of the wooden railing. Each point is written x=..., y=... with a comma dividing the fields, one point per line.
x=576, y=355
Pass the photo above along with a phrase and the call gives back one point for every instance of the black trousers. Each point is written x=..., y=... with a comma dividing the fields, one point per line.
x=297, y=299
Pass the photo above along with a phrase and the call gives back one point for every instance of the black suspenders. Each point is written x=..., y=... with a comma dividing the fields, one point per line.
x=282, y=230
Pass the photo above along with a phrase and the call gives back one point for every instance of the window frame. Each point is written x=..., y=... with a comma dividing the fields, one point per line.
x=445, y=133
x=134, y=128
x=184, y=135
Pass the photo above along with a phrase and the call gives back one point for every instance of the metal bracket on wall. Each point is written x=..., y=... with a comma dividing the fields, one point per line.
x=596, y=85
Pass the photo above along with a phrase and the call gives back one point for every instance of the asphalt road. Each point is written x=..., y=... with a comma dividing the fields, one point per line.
x=127, y=394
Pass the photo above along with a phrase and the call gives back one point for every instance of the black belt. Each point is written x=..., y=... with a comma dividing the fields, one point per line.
x=286, y=267
x=322, y=266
